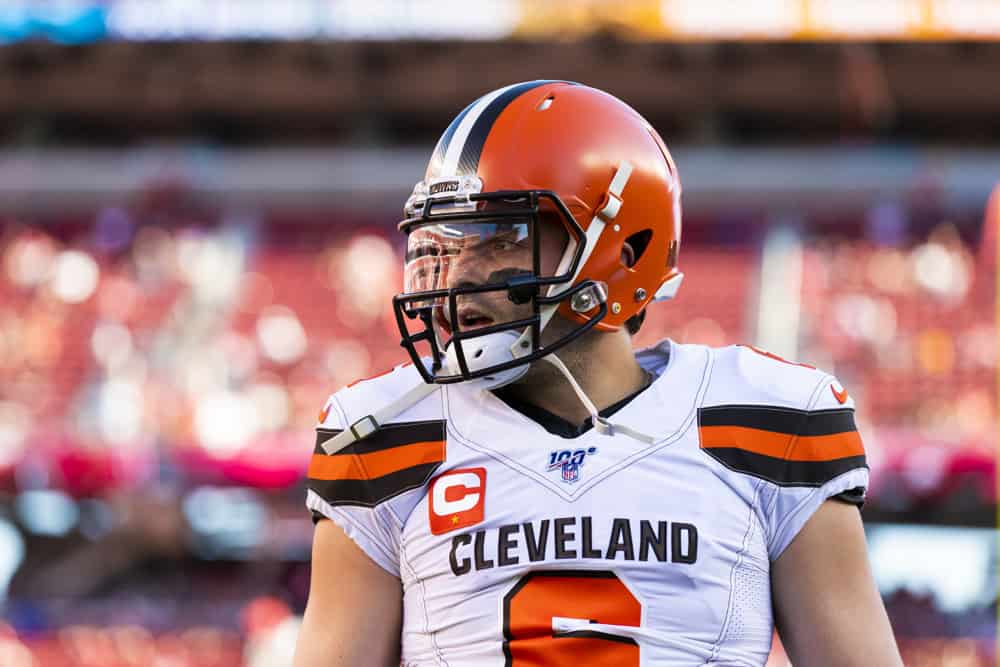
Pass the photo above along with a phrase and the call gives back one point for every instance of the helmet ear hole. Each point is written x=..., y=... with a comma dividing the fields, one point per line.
x=635, y=246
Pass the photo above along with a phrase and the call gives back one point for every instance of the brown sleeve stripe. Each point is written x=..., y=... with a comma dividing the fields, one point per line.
x=782, y=471
x=371, y=492
x=783, y=445
x=393, y=459
x=779, y=420
x=387, y=436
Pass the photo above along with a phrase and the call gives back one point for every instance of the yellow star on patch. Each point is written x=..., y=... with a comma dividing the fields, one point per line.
x=454, y=519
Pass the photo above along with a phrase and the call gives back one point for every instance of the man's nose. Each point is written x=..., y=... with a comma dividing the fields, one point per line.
x=463, y=271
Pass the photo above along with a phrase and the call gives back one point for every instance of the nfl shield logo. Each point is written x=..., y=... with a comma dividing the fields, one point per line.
x=569, y=462
x=570, y=472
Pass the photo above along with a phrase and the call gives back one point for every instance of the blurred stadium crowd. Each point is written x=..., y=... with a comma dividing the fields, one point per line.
x=195, y=252
x=161, y=365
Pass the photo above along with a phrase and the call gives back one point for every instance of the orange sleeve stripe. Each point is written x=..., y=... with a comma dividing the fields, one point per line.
x=776, y=445
x=375, y=464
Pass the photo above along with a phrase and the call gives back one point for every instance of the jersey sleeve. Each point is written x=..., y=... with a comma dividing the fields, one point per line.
x=355, y=487
x=825, y=459
x=792, y=428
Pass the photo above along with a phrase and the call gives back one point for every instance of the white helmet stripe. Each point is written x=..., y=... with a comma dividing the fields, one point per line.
x=450, y=165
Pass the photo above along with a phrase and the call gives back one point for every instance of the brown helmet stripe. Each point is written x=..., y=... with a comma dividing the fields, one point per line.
x=473, y=148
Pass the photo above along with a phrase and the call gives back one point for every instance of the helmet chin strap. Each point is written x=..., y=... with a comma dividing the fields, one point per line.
x=594, y=231
x=484, y=351
x=602, y=425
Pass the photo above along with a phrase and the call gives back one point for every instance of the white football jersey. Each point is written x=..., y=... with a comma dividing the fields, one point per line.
x=516, y=546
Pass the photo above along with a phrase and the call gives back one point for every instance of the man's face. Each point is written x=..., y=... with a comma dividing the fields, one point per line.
x=473, y=254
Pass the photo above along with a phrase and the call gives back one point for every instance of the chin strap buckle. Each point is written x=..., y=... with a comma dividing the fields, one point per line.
x=603, y=426
x=371, y=423
x=364, y=427
x=614, y=193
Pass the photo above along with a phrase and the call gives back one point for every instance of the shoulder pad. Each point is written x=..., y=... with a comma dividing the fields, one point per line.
x=787, y=423
x=744, y=374
x=399, y=455
x=369, y=395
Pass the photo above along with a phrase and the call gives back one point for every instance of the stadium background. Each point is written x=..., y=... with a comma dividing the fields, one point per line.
x=198, y=201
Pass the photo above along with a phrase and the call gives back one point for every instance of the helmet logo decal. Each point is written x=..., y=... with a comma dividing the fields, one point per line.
x=443, y=186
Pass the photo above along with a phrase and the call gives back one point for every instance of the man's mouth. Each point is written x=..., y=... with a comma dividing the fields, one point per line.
x=470, y=317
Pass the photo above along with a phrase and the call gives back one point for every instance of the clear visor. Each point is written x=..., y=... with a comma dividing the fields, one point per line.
x=448, y=255
x=472, y=254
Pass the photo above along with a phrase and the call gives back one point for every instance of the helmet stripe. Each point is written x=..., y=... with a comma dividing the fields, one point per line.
x=473, y=147
x=462, y=143
x=437, y=159
x=449, y=167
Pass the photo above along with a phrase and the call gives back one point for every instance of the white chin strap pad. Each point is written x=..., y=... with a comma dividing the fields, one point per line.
x=484, y=351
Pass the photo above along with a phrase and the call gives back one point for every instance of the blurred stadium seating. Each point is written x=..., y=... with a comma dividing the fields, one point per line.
x=195, y=251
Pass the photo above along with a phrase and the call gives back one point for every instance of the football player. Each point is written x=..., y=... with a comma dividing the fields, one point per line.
x=530, y=490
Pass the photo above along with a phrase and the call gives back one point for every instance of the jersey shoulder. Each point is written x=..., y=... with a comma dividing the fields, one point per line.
x=395, y=450
x=374, y=394
x=784, y=422
x=745, y=374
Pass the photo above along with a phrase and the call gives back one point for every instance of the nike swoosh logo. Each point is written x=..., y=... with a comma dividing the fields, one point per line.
x=841, y=395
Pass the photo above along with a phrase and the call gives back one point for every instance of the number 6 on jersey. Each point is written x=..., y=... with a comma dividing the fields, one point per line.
x=546, y=616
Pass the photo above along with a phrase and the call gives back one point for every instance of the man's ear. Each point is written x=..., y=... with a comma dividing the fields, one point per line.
x=628, y=255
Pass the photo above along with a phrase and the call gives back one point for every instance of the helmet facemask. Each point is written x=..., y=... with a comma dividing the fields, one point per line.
x=483, y=275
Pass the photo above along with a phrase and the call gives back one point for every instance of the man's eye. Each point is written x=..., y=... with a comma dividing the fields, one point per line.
x=501, y=245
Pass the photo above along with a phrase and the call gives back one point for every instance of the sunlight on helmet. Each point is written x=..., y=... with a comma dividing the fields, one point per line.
x=225, y=422
x=74, y=276
x=280, y=335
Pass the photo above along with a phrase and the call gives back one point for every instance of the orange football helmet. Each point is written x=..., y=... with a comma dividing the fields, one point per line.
x=533, y=153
